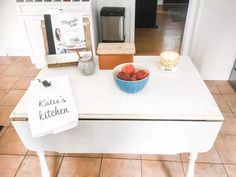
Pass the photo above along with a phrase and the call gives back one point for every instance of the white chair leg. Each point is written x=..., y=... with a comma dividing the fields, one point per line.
x=43, y=164
x=191, y=165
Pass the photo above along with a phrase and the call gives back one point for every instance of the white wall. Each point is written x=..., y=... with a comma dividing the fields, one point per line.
x=13, y=40
x=129, y=14
x=213, y=48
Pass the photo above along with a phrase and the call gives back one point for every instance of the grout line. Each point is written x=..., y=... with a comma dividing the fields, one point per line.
x=5, y=69
x=123, y=158
x=13, y=154
x=4, y=131
x=141, y=161
x=32, y=155
x=20, y=164
x=60, y=165
x=77, y=156
x=7, y=90
x=227, y=134
x=182, y=164
x=100, y=167
x=227, y=103
x=221, y=160
x=225, y=170
x=160, y=160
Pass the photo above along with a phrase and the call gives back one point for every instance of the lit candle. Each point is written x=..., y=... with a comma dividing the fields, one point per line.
x=169, y=61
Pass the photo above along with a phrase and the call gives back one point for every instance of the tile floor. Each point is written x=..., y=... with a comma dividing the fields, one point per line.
x=17, y=161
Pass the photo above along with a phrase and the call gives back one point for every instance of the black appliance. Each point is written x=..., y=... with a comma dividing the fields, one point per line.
x=145, y=13
x=232, y=78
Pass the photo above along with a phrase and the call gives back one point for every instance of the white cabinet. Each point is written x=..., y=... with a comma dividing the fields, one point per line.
x=32, y=14
x=35, y=38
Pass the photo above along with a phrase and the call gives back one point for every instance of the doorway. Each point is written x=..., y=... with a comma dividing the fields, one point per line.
x=166, y=32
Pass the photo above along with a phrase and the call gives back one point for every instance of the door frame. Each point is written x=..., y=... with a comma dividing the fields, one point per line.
x=191, y=26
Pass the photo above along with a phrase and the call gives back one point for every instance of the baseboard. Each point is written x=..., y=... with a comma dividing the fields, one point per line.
x=3, y=53
x=14, y=52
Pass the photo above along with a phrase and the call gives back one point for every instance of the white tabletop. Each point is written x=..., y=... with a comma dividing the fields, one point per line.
x=182, y=95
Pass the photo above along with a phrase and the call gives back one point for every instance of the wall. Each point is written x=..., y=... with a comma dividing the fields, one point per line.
x=13, y=40
x=13, y=36
x=213, y=48
x=129, y=14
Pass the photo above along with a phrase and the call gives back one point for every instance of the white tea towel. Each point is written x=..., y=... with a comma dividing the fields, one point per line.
x=52, y=108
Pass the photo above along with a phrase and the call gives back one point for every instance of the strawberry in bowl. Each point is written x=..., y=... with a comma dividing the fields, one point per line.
x=130, y=77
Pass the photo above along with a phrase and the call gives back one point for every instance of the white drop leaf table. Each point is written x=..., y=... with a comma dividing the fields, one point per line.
x=174, y=113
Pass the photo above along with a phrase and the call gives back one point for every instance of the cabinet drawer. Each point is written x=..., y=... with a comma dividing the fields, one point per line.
x=157, y=137
x=41, y=9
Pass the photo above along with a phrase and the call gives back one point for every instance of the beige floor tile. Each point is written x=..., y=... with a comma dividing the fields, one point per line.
x=3, y=93
x=208, y=170
x=212, y=87
x=212, y=156
x=15, y=70
x=79, y=167
x=160, y=157
x=5, y=112
x=9, y=165
x=89, y=155
x=32, y=71
x=122, y=156
x=12, y=97
x=162, y=169
x=7, y=82
x=23, y=83
x=47, y=153
x=226, y=146
x=229, y=125
x=23, y=61
x=231, y=101
x=3, y=68
x=225, y=87
x=10, y=143
x=221, y=103
x=120, y=167
x=231, y=170
x=31, y=166
x=7, y=60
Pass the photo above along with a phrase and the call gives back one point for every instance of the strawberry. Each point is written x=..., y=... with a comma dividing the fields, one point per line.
x=128, y=69
x=123, y=76
x=141, y=74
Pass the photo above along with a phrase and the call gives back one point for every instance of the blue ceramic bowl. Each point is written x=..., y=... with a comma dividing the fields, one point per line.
x=130, y=86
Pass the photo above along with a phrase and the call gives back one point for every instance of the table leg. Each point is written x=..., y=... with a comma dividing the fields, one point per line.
x=191, y=165
x=43, y=164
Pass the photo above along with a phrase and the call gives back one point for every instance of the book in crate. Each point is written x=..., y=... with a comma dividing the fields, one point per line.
x=65, y=32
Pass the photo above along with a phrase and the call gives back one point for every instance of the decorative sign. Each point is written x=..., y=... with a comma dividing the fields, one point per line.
x=52, y=108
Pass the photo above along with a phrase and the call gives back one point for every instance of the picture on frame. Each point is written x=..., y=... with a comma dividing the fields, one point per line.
x=65, y=32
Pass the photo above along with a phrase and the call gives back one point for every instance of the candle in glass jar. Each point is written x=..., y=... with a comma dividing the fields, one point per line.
x=169, y=61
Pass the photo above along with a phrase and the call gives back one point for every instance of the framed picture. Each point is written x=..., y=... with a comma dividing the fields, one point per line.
x=65, y=31
x=62, y=47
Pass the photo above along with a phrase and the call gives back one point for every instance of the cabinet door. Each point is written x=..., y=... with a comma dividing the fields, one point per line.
x=35, y=36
